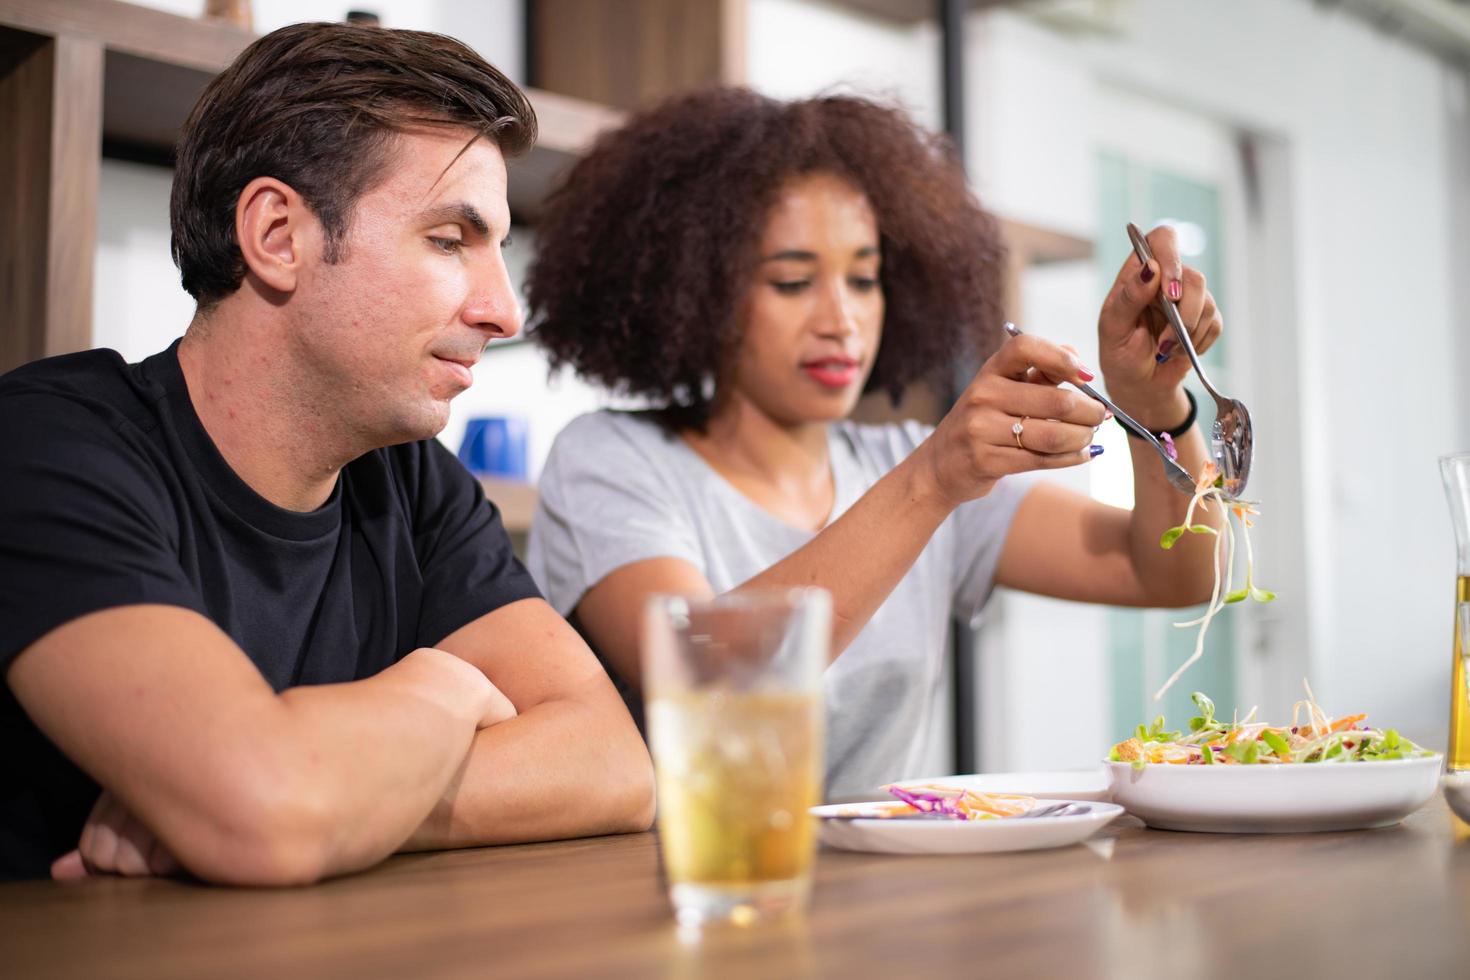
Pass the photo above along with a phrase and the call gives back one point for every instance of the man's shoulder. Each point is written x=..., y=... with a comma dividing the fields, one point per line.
x=95, y=386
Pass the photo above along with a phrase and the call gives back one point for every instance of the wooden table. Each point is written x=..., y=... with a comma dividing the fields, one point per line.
x=1133, y=903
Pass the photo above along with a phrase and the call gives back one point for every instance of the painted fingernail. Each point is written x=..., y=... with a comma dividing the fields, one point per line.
x=1093, y=452
x=1148, y=273
x=1107, y=416
x=1085, y=374
x=1176, y=290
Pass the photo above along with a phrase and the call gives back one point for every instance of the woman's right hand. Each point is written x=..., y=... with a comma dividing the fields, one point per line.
x=975, y=445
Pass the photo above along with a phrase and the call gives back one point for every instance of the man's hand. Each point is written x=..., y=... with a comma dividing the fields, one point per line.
x=498, y=708
x=114, y=842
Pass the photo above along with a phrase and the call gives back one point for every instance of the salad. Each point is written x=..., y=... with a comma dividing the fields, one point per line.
x=1210, y=489
x=961, y=804
x=1320, y=738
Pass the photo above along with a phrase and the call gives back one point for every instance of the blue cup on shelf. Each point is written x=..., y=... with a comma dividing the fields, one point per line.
x=495, y=446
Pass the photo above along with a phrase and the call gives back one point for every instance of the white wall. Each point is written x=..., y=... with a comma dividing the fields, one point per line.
x=1366, y=119
x=798, y=48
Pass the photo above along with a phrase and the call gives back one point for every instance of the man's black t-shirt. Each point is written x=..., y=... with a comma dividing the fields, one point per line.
x=113, y=494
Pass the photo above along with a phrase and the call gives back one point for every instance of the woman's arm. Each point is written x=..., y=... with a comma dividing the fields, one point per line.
x=1066, y=545
x=862, y=555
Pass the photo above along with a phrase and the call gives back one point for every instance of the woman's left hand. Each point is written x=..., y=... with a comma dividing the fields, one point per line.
x=1132, y=335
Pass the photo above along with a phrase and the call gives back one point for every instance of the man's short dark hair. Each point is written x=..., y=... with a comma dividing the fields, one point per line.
x=317, y=106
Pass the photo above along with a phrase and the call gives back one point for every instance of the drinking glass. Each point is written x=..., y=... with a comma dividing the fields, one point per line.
x=1455, y=469
x=733, y=701
x=1456, y=472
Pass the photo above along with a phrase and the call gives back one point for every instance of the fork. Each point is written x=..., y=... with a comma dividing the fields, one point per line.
x=1232, y=437
x=1063, y=809
x=1176, y=474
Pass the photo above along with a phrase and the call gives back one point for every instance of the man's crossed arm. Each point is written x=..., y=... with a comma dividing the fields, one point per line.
x=510, y=732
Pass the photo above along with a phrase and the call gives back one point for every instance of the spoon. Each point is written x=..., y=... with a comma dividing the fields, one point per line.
x=1231, y=442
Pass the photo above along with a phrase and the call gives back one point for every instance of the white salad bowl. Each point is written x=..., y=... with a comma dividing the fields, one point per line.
x=1275, y=799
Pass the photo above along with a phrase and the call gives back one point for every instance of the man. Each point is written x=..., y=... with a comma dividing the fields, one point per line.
x=257, y=623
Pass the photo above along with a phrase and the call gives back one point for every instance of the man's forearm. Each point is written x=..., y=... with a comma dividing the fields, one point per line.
x=340, y=776
x=382, y=750
x=571, y=767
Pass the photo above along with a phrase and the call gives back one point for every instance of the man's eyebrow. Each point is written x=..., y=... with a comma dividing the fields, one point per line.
x=457, y=213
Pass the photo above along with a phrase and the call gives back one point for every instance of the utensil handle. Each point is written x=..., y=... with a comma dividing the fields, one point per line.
x=1171, y=312
x=1118, y=413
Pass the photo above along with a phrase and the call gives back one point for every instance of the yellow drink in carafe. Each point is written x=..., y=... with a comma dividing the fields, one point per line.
x=737, y=773
x=1459, y=748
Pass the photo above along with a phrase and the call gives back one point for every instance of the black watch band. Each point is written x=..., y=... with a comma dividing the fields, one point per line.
x=1182, y=427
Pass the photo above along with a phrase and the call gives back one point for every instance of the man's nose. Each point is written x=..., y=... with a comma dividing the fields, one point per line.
x=495, y=308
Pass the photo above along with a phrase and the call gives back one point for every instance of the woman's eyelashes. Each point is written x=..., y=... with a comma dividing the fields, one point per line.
x=791, y=287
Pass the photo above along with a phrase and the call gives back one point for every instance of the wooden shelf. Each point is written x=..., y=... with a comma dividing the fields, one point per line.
x=1040, y=246
x=157, y=64
x=516, y=500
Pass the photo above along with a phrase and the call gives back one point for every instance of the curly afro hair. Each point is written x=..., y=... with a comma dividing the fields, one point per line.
x=647, y=248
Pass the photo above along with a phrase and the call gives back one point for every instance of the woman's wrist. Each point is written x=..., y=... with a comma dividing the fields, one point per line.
x=921, y=483
x=1159, y=415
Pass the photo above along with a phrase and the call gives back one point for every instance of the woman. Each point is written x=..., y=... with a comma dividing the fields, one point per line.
x=751, y=267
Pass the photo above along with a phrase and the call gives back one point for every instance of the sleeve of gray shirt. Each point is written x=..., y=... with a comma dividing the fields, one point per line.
x=605, y=500
x=981, y=529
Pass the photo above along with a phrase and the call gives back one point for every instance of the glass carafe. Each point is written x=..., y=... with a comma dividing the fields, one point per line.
x=1456, y=472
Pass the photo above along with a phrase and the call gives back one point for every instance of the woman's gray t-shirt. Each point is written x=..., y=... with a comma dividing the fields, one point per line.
x=618, y=489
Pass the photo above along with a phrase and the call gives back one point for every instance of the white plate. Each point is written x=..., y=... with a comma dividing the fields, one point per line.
x=1281, y=799
x=1075, y=784
x=957, y=836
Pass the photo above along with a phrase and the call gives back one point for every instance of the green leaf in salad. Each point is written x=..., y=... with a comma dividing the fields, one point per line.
x=1277, y=743
x=1167, y=539
x=1205, y=705
x=1245, y=753
x=1237, y=596
x=1209, y=756
x=1261, y=595
x=1155, y=732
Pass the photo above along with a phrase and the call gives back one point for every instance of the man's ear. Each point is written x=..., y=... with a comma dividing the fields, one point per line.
x=274, y=228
